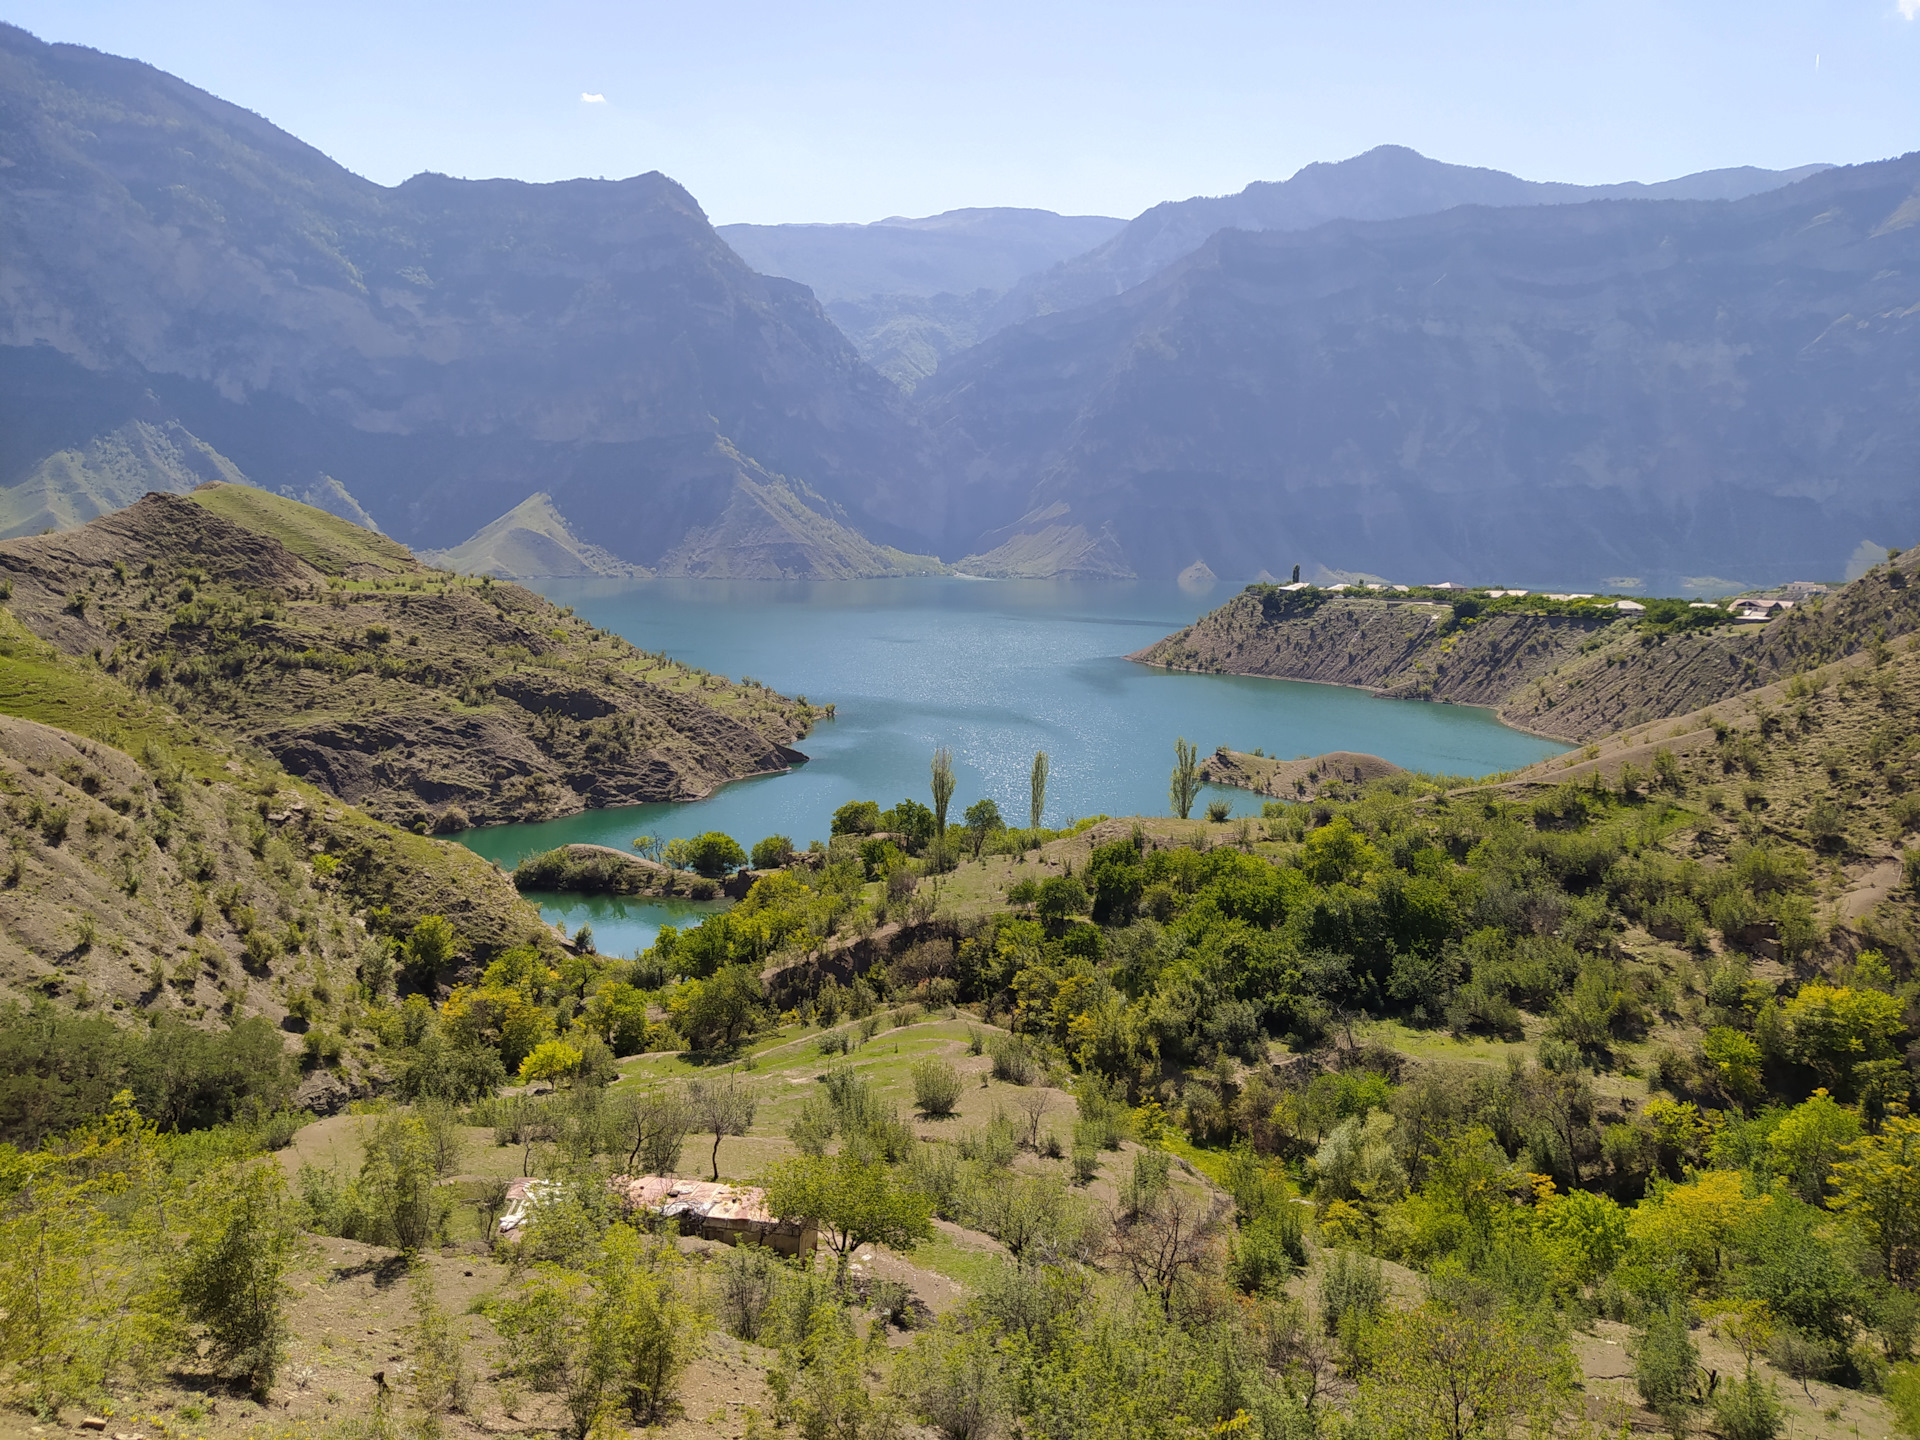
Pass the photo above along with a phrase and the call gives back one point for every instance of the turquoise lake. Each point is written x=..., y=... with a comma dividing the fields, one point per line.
x=994, y=670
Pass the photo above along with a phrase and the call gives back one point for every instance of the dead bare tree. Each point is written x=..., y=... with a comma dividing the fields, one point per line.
x=1034, y=1104
x=1167, y=1240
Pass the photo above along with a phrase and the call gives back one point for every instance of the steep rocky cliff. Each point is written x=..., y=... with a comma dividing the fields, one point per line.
x=1607, y=395
x=443, y=347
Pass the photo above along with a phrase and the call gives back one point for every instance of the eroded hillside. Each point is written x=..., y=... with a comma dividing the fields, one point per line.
x=1569, y=671
x=152, y=869
x=432, y=700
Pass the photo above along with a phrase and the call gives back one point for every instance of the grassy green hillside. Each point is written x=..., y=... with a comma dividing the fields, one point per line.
x=155, y=872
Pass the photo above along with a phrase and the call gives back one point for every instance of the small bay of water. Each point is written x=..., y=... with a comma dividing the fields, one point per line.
x=995, y=671
x=623, y=925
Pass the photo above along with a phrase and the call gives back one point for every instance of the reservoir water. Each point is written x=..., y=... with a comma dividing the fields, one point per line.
x=992, y=669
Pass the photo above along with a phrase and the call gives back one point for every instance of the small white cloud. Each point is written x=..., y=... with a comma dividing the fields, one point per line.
x=587, y=98
x=1910, y=9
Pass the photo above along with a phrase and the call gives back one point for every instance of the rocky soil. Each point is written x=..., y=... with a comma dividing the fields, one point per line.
x=431, y=700
x=1572, y=677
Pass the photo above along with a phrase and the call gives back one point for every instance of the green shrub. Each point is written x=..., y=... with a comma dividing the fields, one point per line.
x=1013, y=1060
x=1664, y=1362
x=772, y=853
x=231, y=1271
x=1352, y=1288
x=936, y=1086
x=1744, y=1409
x=1264, y=1253
x=994, y=1144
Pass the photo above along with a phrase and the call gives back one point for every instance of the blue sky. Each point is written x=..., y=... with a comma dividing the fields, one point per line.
x=854, y=111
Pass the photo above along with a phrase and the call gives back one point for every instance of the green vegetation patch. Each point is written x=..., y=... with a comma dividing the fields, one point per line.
x=331, y=545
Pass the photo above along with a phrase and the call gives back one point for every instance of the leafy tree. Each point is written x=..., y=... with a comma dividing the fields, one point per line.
x=650, y=847
x=1439, y=1374
x=617, y=1013
x=430, y=949
x=857, y=817
x=1796, y=1274
x=1745, y=1409
x=611, y=1341
x=714, y=855
x=982, y=820
x=1736, y=1061
x=1877, y=1184
x=773, y=852
x=1059, y=898
x=912, y=821
x=1692, y=1227
x=1834, y=1028
x=721, y=1109
x=441, y=1382
x=1807, y=1142
x=63, y=1316
x=659, y=1122
x=1903, y=1394
x=231, y=1270
x=1337, y=854
x=1665, y=1360
x=404, y=1206
x=854, y=1202
x=1184, y=788
x=942, y=790
x=1037, y=786
x=551, y=1061
x=502, y=1013
x=716, y=1013
x=1585, y=1233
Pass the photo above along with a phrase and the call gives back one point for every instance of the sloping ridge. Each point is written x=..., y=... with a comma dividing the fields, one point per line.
x=775, y=529
x=107, y=473
x=431, y=700
x=531, y=541
x=1571, y=677
x=1551, y=394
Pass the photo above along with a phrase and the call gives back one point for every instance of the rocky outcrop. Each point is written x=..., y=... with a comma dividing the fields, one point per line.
x=1570, y=676
x=1301, y=779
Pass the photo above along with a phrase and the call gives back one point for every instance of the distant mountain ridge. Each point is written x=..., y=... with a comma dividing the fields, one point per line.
x=1388, y=182
x=1530, y=394
x=1496, y=384
x=909, y=292
x=444, y=346
x=952, y=253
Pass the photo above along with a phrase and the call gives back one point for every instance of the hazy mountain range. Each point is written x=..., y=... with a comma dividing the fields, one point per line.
x=1387, y=364
x=910, y=292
